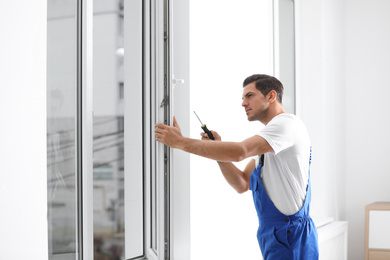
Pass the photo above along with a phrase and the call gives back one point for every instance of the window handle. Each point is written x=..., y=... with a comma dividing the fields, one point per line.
x=177, y=81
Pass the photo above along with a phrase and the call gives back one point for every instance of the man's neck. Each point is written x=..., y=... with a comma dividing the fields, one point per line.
x=277, y=110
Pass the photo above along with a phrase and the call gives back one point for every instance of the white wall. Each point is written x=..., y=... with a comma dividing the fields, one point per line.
x=367, y=113
x=321, y=97
x=343, y=61
x=23, y=185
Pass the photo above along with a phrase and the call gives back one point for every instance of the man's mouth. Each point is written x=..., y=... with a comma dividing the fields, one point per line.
x=247, y=110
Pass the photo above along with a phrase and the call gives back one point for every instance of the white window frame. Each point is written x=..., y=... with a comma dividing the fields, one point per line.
x=133, y=124
x=284, y=50
x=85, y=36
x=150, y=62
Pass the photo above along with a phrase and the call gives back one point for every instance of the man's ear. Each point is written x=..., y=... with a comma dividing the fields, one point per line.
x=272, y=96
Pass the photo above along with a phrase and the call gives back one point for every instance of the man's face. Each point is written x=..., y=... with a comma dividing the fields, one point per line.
x=255, y=103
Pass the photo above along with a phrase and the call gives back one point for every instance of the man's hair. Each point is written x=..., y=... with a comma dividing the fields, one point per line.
x=266, y=83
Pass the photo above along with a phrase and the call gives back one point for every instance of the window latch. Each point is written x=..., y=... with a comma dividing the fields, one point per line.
x=164, y=101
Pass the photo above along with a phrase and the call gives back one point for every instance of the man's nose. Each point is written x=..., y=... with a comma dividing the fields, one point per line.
x=244, y=103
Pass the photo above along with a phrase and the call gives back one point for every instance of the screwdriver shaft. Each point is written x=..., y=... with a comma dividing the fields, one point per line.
x=198, y=118
x=204, y=127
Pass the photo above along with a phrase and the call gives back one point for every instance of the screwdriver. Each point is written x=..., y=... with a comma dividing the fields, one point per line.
x=204, y=127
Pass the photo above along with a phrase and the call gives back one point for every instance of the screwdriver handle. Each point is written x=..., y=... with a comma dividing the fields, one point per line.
x=207, y=131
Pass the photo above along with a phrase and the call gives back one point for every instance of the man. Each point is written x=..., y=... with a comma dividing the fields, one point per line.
x=279, y=176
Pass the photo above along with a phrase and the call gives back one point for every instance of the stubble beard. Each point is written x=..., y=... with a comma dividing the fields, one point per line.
x=259, y=115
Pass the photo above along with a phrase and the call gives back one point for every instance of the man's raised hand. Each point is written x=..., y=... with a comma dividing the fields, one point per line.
x=169, y=135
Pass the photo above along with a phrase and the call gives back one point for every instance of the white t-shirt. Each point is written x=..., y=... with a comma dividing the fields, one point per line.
x=285, y=172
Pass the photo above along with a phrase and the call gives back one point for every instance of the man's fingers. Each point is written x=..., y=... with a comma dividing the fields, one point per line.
x=175, y=124
x=204, y=136
x=159, y=135
x=160, y=125
x=160, y=131
x=166, y=134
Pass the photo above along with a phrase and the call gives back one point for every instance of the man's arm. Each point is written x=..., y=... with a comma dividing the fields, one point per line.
x=236, y=178
x=239, y=180
x=219, y=151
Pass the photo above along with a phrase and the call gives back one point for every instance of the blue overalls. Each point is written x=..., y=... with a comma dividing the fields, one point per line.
x=281, y=236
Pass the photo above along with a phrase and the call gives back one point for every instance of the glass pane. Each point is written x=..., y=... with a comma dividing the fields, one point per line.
x=61, y=135
x=108, y=184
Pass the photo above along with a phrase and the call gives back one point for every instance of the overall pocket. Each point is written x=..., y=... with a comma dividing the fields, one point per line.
x=253, y=184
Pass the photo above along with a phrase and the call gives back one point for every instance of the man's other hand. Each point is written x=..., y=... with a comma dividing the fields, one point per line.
x=205, y=137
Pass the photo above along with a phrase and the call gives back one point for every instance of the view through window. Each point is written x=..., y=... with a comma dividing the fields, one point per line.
x=62, y=192
x=108, y=130
x=230, y=41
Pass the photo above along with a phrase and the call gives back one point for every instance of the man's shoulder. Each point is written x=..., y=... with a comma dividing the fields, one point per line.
x=284, y=118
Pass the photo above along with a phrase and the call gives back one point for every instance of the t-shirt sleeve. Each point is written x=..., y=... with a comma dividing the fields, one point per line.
x=279, y=133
